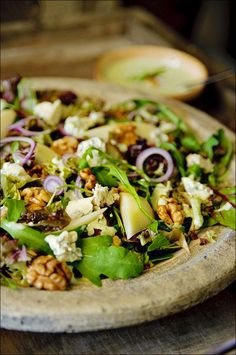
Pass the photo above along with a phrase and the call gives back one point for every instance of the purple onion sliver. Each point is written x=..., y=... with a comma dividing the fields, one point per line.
x=21, y=139
x=52, y=183
x=18, y=127
x=78, y=181
x=68, y=156
x=156, y=151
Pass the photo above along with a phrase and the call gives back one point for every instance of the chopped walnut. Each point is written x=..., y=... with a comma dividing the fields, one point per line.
x=87, y=176
x=65, y=145
x=125, y=134
x=36, y=198
x=171, y=212
x=48, y=273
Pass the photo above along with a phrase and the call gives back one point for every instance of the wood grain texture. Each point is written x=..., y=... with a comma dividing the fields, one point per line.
x=195, y=331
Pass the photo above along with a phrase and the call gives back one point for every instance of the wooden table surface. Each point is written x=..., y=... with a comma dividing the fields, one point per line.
x=195, y=331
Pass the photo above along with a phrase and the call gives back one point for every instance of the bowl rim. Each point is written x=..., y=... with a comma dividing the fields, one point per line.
x=136, y=50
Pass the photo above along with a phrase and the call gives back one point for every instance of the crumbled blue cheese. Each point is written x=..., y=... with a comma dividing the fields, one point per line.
x=95, y=118
x=79, y=208
x=167, y=127
x=49, y=111
x=158, y=137
x=93, y=159
x=101, y=224
x=14, y=172
x=160, y=193
x=64, y=246
x=76, y=126
x=197, y=159
x=102, y=196
x=196, y=189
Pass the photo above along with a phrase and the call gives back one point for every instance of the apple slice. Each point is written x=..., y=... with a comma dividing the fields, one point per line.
x=133, y=218
x=44, y=154
x=7, y=118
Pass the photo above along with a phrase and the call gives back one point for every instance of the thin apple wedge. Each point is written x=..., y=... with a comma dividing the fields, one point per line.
x=133, y=218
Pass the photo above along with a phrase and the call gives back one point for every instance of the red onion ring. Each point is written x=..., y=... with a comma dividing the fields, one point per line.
x=156, y=151
x=68, y=156
x=30, y=141
x=18, y=128
x=51, y=184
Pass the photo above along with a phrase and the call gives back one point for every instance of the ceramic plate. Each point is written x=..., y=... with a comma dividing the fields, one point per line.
x=169, y=287
x=153, y=70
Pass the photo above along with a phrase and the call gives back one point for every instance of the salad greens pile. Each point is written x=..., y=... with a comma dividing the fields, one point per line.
x=102, y=191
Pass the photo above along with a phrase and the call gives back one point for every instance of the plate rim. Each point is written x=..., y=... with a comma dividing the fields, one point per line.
x=23, y=316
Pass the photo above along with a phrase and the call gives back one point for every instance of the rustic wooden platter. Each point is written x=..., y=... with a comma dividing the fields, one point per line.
x=168, y=288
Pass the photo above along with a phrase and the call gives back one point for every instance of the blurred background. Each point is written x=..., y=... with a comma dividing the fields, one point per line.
x=65, y=37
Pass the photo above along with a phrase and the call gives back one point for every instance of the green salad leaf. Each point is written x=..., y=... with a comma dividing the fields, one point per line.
x=15, y=209
x=226, y=214
x=178, y=156
x=100, y=257
x=104, y=178
x=160, y=242
x=191, y=143
x=27, y=236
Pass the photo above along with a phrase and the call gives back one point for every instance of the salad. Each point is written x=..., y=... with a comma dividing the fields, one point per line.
x=92, y=191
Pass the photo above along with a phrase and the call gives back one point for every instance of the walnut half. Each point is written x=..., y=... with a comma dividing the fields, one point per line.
x=48, y=273
x=171, y=212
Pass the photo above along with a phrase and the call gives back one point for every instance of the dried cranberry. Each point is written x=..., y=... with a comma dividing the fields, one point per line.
x=135, y=149
x=68, y=97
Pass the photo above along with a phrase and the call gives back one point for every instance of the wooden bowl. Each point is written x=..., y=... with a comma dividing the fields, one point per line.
x=135, y=67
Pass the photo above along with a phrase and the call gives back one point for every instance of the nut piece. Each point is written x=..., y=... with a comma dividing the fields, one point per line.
x=88, y=177
x=65, y=145
x=36, y=198
x=125, y=134
x=171, y=212
x=48, y=273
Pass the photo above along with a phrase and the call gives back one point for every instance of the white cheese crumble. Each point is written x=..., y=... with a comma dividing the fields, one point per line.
x=197, y=159
x=101, y=224
x=49, y=111
x=196, y=189
x=79, y=208
x=103, y=197
x=64, y=246
x=95, y=158
x=158, y=136
x=76, y=126
x=14, y=172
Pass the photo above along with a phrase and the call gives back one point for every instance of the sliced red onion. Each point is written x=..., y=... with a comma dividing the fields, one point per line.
x=18, y=127
x=78, y=181
x=156, y=151
x=52, y=184
x=23, y=160
x=68, y=156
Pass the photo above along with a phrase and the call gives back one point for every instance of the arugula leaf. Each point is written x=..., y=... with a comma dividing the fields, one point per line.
x=15, y=209
x=160, y=242
x=100, y=257
x=163, y=257
x=171, y=116
x=104, y=178
x=27, y=236
x=218, y=140
x=190, y=142
x=209, y=145
x=119, y=220
x=226, y=215
x=122, y=177
x=195, y=170
x=178, y=156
